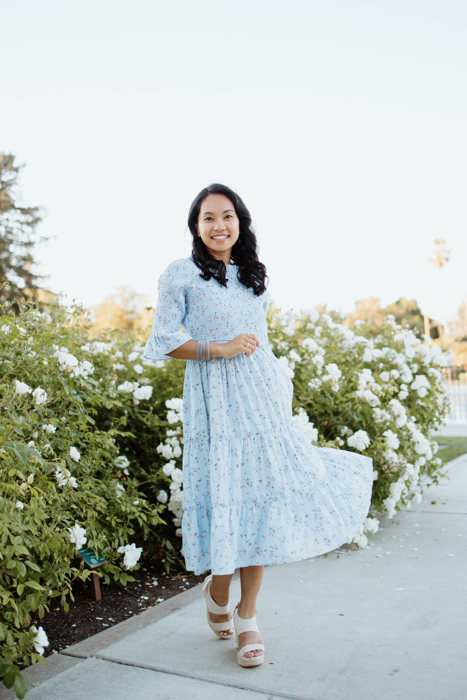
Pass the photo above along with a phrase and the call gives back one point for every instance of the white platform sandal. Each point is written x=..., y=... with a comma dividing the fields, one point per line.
x=211, y=606
x=247, y=624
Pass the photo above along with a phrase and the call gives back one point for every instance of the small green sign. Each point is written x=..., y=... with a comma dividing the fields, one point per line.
x=92, y=559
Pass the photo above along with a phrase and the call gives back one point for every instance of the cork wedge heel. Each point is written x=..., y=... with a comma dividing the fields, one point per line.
x=247, y=624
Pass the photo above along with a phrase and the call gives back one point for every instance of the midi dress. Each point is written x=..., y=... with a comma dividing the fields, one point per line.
x=255, y=489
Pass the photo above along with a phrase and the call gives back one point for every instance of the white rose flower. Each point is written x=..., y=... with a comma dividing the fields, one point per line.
x=403, y=395
x=74, y=454
x=169, y=468
x=40, y=396
x=333, y=373
x=139, y=369
x=19, y=505
x=391, y=439
x=384, y=376
x=40, y=639
x=133, y=356
x=318, y=361
x=120, y=489
x=122, y=462
x=310, y=344
x=375, y=475
x=305, y=426
x=128, y=387
x=417, y=498
x=78, y=535
x=398, y=410
x=177, y=476
x=22, y=388
x=359, y=440
x=118, y=367
x=395, y=374
x=175, y=404
x=179, y=532
x=143, y=393
x=368, y=395
x=162, y=496
x=31, y=443
x=165, y=450
x=49, y=428
x=315, y=383
x=295, y=356
x=132, y=554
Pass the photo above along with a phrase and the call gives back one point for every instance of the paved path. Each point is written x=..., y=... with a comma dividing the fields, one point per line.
x=384, y=623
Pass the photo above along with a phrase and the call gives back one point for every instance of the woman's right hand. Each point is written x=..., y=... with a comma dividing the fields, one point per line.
x=246, y=343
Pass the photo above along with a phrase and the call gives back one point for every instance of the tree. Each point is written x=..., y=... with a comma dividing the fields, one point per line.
x=125, y=309
x=406, y=313
x=18, y=236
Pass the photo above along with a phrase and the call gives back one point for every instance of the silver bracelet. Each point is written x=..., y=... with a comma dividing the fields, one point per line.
x=203, y=350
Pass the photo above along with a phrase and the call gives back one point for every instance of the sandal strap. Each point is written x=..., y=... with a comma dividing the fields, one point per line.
x=211, y=604
x=250, y=647
x=221, y=626
x=244, y=624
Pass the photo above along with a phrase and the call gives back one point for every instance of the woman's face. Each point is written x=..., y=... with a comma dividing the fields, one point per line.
x=218, y=226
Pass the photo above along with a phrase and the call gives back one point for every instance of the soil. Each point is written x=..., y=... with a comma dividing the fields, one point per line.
x=86, y=616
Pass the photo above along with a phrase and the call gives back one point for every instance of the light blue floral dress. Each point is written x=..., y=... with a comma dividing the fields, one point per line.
x=256, y=491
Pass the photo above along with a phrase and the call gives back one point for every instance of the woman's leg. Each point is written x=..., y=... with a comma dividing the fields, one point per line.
x=220, y=593
x=250, y=580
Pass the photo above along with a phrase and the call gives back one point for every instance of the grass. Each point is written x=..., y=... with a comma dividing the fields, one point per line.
x=451, y=447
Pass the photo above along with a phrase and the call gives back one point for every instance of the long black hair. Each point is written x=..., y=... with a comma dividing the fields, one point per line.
x=251, y=272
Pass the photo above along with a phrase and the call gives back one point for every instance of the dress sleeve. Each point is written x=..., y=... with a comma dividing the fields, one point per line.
x=168, y=316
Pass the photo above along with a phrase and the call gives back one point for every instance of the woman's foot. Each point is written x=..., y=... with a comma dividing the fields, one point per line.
x=225, y=617
x=249, y=637
x=222, y=618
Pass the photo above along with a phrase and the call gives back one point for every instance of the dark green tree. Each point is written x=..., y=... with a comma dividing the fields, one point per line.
x=18, y=236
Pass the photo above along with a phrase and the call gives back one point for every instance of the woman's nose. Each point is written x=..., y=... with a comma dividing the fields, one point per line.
x=220, y=226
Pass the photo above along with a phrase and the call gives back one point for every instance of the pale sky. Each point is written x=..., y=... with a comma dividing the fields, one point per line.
x=342, y=125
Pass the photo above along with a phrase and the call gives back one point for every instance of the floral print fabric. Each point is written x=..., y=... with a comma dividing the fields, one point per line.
x=256, y=491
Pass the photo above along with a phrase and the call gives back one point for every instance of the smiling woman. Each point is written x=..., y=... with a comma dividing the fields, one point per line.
x=255, y=490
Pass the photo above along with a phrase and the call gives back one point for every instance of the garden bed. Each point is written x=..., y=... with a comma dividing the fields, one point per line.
x=87, y=617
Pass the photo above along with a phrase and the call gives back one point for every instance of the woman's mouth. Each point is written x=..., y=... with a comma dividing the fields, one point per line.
x=220, y=238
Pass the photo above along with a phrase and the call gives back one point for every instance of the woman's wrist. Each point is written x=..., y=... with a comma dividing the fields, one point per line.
x=215, y=349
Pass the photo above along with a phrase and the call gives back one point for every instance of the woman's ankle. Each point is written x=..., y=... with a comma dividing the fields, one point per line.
x=246, y=610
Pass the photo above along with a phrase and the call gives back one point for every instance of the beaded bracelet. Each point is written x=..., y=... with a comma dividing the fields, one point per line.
x=203, y=351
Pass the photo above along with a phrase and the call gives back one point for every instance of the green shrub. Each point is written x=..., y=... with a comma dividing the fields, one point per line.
x=63, y=480
x=91, y=435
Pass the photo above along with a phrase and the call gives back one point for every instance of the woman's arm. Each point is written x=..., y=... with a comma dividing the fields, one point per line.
x=242, y=343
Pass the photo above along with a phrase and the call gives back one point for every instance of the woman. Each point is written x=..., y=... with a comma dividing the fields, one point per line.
x=256, y=491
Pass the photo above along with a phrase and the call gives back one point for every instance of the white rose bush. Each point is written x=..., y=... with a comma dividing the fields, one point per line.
x=65, y=482
x=380, y=394
x=91, y=442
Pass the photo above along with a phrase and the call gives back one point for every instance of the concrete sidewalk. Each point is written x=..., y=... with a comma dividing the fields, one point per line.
x=387, y=622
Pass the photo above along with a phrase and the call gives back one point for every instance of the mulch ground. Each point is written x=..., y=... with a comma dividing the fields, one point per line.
x=86, y=616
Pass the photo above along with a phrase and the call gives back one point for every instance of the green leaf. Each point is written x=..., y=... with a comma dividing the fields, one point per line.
x=33, y=565
x=21, y=686
x=9, y=677
x=35, y=585
x=53, y=544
